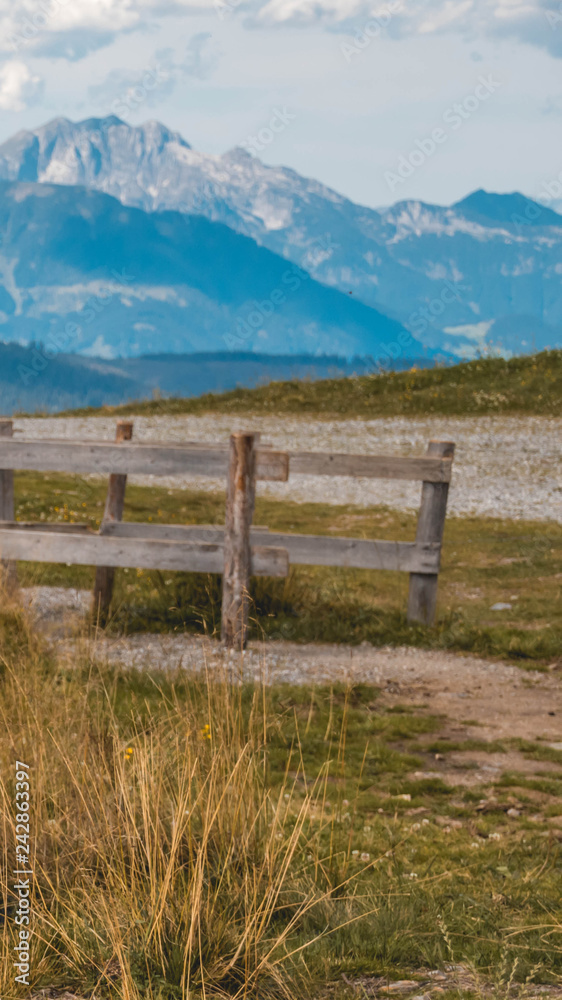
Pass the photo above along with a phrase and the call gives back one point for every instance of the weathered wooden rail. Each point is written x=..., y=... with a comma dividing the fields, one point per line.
x=239, y=550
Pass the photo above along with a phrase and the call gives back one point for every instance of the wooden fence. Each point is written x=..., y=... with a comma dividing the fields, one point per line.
x=238, y=550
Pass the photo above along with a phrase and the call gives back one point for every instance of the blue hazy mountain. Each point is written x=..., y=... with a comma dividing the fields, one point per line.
x=84, y=273
x=511, y=209
x=34, y=380
x=485, y=271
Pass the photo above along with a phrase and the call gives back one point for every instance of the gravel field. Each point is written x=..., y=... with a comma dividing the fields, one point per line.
x=508, y=467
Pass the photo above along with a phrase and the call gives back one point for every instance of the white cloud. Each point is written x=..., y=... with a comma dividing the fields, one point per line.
x=538, y=22
x=435, y=14
x=444, y=16
x=29, y=21
x=199, y=61
x=33, y=22
x=18, y=86
x=310, y=11
x=123, y=92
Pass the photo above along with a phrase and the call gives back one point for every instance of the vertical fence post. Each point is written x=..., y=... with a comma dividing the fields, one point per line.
x=422, y=602
x=237, y=552
x=8, y=570
x=114, y=506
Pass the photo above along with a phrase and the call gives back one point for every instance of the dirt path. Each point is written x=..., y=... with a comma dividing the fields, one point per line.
x=483, y=699
x=475, y=699
x=492, y=700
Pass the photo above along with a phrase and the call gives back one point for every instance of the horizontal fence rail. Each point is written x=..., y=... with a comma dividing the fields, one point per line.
x=303, y=550
x=429, y=470
x=51, y=527
x=237, y=550
x=156, y=459
x=85, y=549
x=146, y=459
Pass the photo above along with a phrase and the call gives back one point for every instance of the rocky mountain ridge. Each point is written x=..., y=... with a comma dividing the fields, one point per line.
x=483, y=273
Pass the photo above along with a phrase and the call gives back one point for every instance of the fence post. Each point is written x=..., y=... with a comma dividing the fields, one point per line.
x=422, y=601
x=237, y=552
x=8, y=570
x=114, y=506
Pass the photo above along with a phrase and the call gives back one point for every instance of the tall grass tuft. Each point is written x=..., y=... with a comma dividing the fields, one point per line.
x=164, y=864
x=201, y=838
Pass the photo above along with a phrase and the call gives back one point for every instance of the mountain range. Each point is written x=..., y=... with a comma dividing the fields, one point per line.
x=83, y=273
x=33, y=380
x=207, y=243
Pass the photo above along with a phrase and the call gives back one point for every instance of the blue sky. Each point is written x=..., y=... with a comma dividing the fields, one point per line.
x=354, y=88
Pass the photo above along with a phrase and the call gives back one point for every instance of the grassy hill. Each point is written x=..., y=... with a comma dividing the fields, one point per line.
x=526, y=385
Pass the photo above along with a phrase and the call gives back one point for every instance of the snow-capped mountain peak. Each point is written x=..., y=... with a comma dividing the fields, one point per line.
x=502, y=253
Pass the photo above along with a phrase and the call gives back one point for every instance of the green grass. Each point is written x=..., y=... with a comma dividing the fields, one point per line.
x=525, y=385
x=255, y=842
x=485, y=561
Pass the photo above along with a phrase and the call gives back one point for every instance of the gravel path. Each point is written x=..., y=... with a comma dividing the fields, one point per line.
x=509, y=467
x=499, y=699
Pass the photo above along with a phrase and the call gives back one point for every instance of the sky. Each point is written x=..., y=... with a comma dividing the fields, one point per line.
x=379, y=100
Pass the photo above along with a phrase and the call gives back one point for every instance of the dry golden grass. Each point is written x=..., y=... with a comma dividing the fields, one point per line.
x=204, y=839
x=163, y=861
